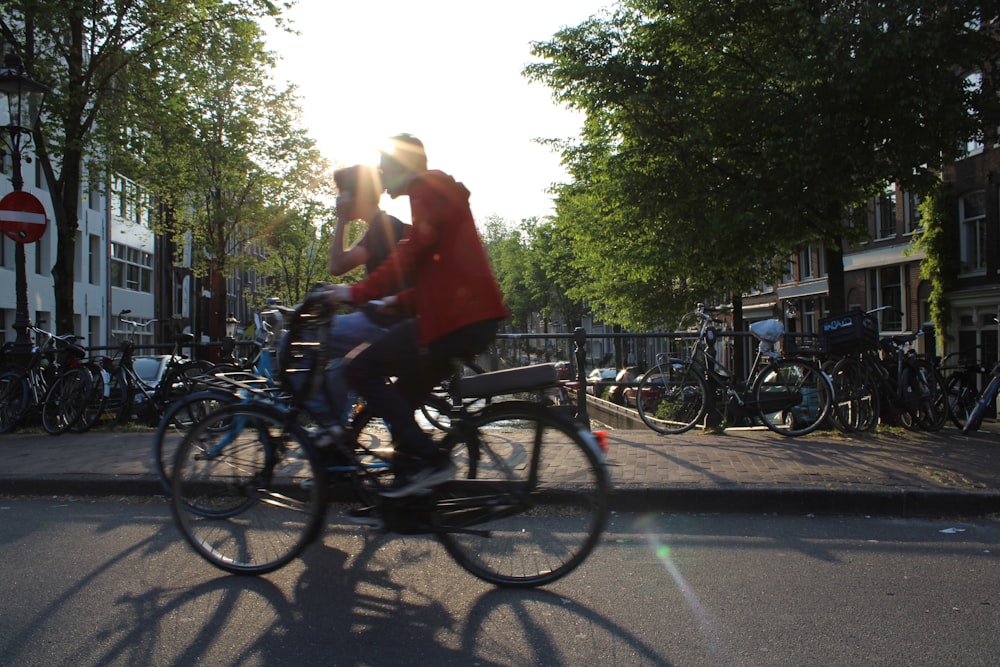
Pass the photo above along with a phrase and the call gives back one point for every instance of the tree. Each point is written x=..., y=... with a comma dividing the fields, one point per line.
x=82, y=49
x=722, y=134
x=297, y=256
x=247, y=167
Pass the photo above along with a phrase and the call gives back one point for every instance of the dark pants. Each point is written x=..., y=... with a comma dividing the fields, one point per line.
x=417, y=369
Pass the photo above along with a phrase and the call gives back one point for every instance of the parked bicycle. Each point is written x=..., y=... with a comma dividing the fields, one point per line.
x=126, y=395
x=884, y=379
x=51, y=372
x=250, y=485
x=964, y=374
x=789, y=396
x=974, y=418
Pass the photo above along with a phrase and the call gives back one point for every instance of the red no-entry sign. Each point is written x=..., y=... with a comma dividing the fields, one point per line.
x=22, y=217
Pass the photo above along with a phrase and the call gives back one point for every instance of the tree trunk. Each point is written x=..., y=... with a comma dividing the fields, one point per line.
x=66, y=208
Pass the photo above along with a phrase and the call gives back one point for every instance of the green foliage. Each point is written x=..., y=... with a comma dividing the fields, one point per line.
x=723, y=134
x=527, y=261
x=940, y=264
x=87, y=51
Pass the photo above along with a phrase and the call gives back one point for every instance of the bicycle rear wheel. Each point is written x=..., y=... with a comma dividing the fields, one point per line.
x=250, y=497
x=672, y=397
x=66, y=400
x=924, y=394
x=537, y=504
x=855, y=406
x=793, y=396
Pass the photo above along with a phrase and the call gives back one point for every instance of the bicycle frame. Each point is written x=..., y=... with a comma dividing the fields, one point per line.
x=989, y=395
x=720, y=378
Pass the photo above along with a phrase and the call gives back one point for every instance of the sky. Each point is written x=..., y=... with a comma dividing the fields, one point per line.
x=447, y=71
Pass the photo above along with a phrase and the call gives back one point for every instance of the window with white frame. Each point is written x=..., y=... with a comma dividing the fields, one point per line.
x=94, y=259
x=178, y=305
x=911, y=213
x=42, y=261
x=885, y=215
x=974, y=84
x=131, y=268
x=972, y=231
x=806, y=263
x=78, y=261
x=788, y=275
x=886, y=289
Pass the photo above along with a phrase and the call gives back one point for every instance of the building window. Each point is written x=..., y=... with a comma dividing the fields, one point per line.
x=886, y=289
x=805, y=263
x=78, y=262
x=93, y=331
x=972, y=230
x=885, y=215
x=42, y=263
x=179, y=291
x=788, y=275
x=911, y=213
x=131, y=268
x=95, y=259
x=40, y=181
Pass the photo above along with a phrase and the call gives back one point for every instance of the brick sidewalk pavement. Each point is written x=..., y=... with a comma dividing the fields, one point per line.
x=892, y=472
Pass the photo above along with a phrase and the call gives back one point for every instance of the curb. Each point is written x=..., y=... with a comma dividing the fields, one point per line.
x=909, y=503
x=808, y=500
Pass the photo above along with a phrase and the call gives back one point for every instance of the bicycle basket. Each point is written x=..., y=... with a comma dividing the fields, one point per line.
x=302, y=352
x=853, y=331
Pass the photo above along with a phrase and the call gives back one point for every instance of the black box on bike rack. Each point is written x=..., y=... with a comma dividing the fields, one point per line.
x=853, y=331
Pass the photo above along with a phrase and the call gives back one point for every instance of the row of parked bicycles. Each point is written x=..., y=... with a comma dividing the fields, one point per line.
x=64, y=386
x=847, y=376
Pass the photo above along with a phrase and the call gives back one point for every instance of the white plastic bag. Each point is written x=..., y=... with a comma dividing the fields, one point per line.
x=769, y=331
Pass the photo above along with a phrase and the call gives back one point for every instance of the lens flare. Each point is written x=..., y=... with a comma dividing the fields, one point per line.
x=647, y=525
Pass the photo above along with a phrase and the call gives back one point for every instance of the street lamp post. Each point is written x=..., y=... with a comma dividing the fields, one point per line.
x=19, y=107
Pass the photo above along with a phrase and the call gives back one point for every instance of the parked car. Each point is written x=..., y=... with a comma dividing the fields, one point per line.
x=617, y=393
x=598, y=379
x=630, y=393
x=151, y=368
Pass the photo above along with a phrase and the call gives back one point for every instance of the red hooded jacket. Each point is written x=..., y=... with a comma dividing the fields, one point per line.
x=444, y=258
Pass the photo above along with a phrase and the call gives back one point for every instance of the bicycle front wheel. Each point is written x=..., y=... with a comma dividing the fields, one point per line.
x=672, y=397
x=793, y=396
x=249, y=497
x=538, y=502
x=962, y=397
x=179, y=418
x=66, y=400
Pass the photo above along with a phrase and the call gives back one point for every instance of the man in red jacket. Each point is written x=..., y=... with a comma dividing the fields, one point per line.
x=456, y=299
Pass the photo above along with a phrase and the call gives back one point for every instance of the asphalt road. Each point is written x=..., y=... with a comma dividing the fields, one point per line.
x=111, y=583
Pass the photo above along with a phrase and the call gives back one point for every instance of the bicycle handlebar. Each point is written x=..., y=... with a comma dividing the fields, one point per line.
x=134, y=323
x=59, y=337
